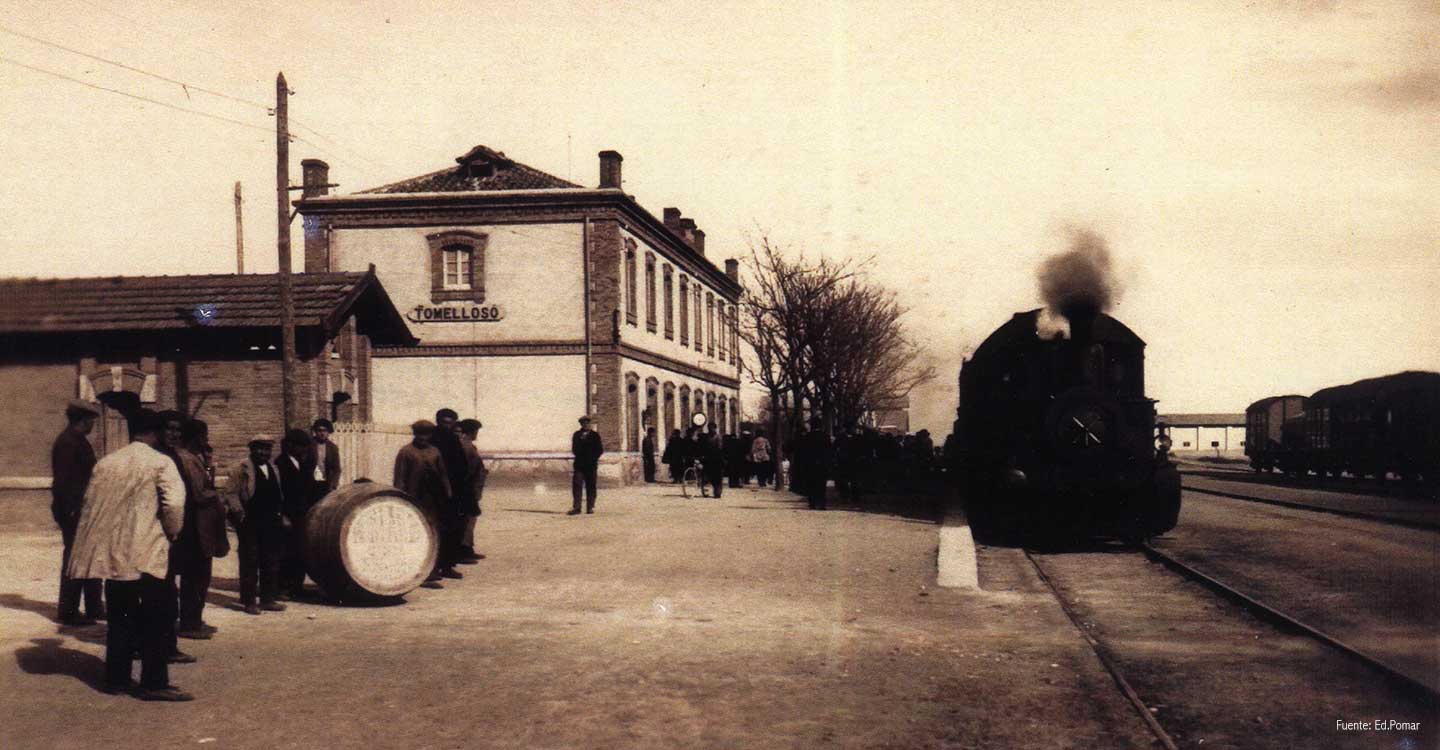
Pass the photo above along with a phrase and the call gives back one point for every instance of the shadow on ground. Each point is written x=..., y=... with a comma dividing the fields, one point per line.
x=49, y=656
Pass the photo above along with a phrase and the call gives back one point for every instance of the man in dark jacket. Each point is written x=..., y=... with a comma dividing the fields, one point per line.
x=203, y=537
x=469, y=432
x=587, y=448
x=71, y=462
x=255, y=508
x=713, y=454
x=674, y=456
x=452, y=513
x=813, y=459
x=420, y=472
x=324, y=461
x=296, y=471
x=647, y=455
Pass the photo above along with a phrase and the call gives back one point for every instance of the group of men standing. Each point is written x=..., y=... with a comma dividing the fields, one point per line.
x=442, y=469
x=147, y=522
x=737, y=458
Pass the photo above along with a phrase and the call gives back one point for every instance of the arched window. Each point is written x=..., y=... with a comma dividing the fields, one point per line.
x=630, y=283
x=685, y=407
x=669, y=292
x=650, y=292
x=457, y=266
x=684, y=310
x=652, y=404
x=735, y=416
x=633, y=429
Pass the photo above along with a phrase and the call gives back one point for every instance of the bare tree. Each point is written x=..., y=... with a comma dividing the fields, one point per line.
x=824, y=339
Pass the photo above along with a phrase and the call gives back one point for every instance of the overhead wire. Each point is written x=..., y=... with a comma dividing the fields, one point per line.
x=188, y=87
x=146, y=99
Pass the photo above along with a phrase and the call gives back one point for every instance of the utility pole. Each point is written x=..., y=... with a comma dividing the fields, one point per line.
x=239, y=233
x=287, y=294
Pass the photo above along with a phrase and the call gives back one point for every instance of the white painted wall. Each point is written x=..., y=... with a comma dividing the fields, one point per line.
x=533, y=271
x=525, y=403
x=639, y=337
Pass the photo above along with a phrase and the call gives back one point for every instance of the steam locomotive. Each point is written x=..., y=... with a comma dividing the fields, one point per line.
x=1374, y=427
x=1057, y=436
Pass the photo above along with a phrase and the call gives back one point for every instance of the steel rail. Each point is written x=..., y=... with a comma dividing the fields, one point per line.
x=1284, y=621
x=1105, y=660
x=1423, y=525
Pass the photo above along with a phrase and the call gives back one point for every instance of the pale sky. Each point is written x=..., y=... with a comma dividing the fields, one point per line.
x=1265, y=172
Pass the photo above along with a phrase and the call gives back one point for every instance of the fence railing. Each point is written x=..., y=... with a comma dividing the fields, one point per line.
x=367, y=449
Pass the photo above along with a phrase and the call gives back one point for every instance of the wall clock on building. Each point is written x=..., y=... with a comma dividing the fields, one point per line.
x=698, y=420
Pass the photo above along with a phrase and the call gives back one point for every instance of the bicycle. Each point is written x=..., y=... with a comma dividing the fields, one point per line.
x=694, y=474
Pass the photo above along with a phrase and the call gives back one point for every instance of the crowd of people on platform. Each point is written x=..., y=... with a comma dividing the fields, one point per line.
x=860, y=459
x=142, y=526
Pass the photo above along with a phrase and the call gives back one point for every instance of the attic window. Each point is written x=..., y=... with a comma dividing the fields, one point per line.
x=480, y=169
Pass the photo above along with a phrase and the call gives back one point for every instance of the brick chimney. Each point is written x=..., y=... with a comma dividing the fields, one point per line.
x=732, y=269
x=610, y=169
x=699, y=242
x=316, y=178
x=672, y=219
x=687, y=231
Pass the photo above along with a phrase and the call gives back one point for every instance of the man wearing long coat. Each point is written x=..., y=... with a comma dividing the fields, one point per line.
x=134, y=509
x=203, y=537
x=72, y=460
x=420, y=472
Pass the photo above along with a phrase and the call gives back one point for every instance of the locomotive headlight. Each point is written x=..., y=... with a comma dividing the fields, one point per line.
x=1015, y=478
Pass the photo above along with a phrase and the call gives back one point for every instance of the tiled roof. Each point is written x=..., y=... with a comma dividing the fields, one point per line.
x=480, y=169
x=1202, y=420
x=157, y=303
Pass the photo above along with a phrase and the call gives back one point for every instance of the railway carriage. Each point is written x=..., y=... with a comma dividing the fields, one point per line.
x=1376, y=427
x=1275, y=433
x=1058, y=437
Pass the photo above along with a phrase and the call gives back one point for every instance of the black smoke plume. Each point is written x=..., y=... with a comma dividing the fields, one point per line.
x=1080, y=282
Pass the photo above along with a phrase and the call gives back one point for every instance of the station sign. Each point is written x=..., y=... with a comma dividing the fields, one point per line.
x=455, y=314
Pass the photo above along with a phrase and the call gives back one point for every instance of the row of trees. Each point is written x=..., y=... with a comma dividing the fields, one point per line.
x=826, y=340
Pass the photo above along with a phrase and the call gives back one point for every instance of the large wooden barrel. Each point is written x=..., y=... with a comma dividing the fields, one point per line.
x=369, y=541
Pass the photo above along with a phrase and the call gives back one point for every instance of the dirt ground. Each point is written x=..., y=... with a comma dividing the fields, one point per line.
x=1217, y=677
x=747, y=622
x=1372, y=585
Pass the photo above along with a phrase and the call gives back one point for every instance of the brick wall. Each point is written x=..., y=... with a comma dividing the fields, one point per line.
x=35, y=398
x=606, y=251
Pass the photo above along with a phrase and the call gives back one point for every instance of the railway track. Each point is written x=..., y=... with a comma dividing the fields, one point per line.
x=1287, y=622
x=1344, y=512
x=1398, y=680
x=1106, y=660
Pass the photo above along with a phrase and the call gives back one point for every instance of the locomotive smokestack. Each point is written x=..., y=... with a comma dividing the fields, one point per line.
x=1077, y=285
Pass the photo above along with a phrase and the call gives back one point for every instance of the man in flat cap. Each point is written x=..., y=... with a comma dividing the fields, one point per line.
x=72, y=460
x=256, y=505
x=457, y=467
x=474, y=487
x=585, y=444
x=134, y=510
x=420, y=472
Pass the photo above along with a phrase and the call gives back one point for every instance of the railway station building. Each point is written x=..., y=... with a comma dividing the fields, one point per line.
x=534, y=300
x=1204, y=434
x=205, y=345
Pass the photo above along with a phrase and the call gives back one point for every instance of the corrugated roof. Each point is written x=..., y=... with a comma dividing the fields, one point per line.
x=481, y=168
x=156, y=303
x=1202, y=420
